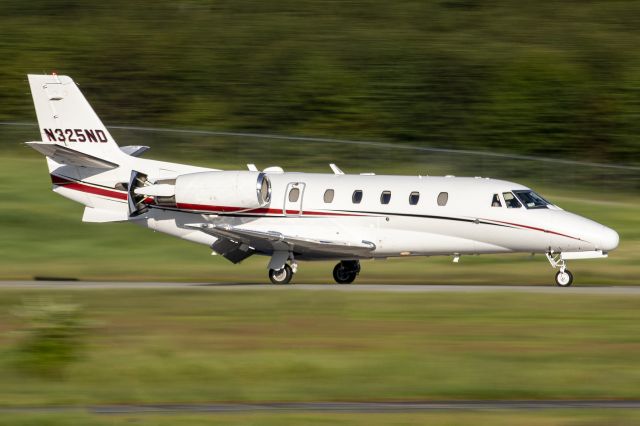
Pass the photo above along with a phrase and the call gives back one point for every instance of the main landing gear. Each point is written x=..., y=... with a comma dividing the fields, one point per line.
x=344, y=272
x=281, y=276
x=564, y=277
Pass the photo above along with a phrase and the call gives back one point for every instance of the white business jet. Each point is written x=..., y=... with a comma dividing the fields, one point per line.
x=299, y=216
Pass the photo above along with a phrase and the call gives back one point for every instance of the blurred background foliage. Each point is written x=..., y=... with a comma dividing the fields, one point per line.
x=552, y=78
x=558, y=80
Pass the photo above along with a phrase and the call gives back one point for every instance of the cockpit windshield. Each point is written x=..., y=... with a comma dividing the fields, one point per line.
x=531, y=200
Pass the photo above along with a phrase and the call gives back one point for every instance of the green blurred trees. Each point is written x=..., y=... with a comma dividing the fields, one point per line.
x=548, y=78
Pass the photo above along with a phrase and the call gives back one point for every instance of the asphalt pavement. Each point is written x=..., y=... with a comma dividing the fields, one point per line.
x=383, y=288
x=334, y=407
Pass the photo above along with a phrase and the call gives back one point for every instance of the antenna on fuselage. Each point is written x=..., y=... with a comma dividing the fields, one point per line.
x=336, y=169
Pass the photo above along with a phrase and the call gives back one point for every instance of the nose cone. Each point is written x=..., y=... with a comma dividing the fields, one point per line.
x=609, y=239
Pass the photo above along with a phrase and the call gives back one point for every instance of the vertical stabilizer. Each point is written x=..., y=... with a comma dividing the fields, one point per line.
x=66, y=118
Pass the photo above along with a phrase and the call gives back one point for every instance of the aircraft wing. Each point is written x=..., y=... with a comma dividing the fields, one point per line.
x=271, y=241
x=71, y=157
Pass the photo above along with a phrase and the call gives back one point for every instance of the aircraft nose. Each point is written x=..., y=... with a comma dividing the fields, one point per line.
x=609, y=239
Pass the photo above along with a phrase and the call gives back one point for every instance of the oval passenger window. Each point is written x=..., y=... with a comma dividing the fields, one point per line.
x=328, y=195
x=357, y=196
x=294, y=194
x=443, y=197
x=414, y=197
x=385, y=197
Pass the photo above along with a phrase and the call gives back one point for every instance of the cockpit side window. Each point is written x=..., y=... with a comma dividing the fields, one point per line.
x=495, y=202
x=511, y=201
x=531, y=200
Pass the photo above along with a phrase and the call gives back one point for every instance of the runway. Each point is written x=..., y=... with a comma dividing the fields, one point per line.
x=378, y=288
x=334, y=407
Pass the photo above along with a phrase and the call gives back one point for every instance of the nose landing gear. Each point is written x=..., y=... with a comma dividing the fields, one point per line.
x=346, y=271
x=564, y=277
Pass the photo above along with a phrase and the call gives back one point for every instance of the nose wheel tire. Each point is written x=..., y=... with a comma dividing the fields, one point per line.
x=344, y=274
x=564, y=279
x=281, y=276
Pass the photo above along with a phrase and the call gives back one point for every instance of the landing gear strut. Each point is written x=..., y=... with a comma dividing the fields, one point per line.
x=346, y=271
x=564, y=277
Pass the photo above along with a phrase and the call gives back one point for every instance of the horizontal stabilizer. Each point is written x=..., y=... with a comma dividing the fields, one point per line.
x=63, y=155
x=134, y=150
x=103, y=215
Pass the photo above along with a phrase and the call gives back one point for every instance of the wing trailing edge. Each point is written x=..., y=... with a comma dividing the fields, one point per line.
x=270, y=241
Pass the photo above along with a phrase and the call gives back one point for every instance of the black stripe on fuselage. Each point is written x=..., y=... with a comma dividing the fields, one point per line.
x=421, y=216
x=426, y=216
x=86, y=182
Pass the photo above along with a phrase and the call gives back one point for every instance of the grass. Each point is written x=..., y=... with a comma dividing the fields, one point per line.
x=197, y=345
x=42, y=235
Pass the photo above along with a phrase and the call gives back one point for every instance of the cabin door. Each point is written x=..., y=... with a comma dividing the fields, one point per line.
x=293, y=199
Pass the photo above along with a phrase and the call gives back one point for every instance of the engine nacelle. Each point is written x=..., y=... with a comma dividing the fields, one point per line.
x=227, y=191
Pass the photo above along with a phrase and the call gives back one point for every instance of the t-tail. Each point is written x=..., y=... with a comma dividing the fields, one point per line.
x=66, y=119
x=85, y=163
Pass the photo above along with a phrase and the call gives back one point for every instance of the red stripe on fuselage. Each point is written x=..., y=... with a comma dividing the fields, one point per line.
x=533, y=228
x=82, y=187
x=258, y=211
x=222, y=209
x=79, y=186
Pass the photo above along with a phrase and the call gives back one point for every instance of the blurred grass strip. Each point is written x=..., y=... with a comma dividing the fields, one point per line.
x=194, y=345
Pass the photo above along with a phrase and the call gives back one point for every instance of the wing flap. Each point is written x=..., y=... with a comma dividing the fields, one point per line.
x=232, y=251
x=71, y=157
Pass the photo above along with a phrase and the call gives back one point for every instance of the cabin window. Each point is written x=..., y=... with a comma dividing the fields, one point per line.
x=357, y=196
x=385, y=197
x=510, y=200
x=414, y=197
x=294, y=194
x=328, y=195
x=443, y=197
x=495, y=202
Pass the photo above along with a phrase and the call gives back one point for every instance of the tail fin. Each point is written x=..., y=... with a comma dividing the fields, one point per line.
x=66, y=118
x=84, y=161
